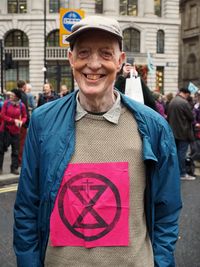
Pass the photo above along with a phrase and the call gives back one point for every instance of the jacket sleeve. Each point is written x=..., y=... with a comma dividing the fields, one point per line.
x=26, y=237
x=167, y=200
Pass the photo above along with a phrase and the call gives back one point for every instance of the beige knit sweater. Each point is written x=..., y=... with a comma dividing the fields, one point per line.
x=98, y=140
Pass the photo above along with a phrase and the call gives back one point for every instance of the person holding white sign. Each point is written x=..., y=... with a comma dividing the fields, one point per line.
x=144, y=94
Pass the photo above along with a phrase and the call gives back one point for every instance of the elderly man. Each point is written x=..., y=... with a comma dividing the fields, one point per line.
x=87, y=196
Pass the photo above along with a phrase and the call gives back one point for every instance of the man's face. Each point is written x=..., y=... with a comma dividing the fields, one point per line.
x=46, y=89
x=96, y=59
x=24, y=88
x=63, y=89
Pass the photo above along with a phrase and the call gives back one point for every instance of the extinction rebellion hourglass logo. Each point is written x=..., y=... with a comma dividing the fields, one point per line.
x=91, y=207
x=88, y=188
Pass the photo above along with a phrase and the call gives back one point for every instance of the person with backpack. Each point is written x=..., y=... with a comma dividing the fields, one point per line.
x=13, y=115
x=21, y=85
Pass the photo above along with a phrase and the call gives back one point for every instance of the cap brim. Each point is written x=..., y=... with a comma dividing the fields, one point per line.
x=73, y=36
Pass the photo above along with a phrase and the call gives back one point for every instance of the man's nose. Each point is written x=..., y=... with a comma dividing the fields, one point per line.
x=94, y=61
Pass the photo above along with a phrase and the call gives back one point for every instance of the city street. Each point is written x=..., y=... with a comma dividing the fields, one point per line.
x=188, y=246
x=7, y=257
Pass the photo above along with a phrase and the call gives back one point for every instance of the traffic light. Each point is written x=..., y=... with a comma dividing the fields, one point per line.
x=9, y=63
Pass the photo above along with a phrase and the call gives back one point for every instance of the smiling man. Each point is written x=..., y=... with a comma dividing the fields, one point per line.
x=99, y=184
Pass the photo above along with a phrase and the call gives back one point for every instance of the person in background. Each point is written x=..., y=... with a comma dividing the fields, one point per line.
x=48, y=95
x=1, y=101
x=1, y=104
x=84, y=197
x=195, y=146
x=120, y=84
x=180, y=118
x=160, y=107
x=168, y=98
x=30, y=98
x=21, y=85
x=13, y=116
x=63, y=90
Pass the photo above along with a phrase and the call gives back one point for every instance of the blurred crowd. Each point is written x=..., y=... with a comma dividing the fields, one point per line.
x=16, y=107
x=181, y=110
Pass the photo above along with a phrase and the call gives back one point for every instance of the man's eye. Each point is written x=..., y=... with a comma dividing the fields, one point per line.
x=83, y=53
x=106, y=54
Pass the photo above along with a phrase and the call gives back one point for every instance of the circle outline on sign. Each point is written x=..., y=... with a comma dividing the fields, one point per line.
x=61, y=204
x=68, y=26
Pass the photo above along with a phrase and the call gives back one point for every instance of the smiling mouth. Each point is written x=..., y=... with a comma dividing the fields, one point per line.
x=93, y=77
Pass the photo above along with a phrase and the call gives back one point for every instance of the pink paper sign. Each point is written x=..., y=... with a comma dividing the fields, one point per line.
x=92, y=206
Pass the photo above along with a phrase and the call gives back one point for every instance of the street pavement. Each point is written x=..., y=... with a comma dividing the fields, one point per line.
x=7, y=177
x=187, y=248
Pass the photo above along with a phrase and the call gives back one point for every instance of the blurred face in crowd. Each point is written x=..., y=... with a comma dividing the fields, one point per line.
x=96, y=58
x=28, y=88
x=63, y=90
x=47, y=89
x=13, y=97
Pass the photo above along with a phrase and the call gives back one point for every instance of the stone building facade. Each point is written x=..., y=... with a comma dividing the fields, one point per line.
x=189, y=63
x=29, y=31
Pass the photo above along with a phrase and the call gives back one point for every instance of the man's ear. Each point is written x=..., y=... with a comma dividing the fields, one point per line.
x=121, y=60
x=70, y=57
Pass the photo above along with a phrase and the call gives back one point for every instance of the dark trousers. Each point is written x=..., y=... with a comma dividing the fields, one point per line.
x=14, y=142
x=22, y=137
x=182, y=148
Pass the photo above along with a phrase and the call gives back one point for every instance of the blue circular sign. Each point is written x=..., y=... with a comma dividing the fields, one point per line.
x=69, y=19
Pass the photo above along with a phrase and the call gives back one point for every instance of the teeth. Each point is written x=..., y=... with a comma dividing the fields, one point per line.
x=93, y=77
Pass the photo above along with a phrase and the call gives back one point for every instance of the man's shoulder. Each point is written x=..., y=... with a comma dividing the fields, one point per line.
x=179, y=100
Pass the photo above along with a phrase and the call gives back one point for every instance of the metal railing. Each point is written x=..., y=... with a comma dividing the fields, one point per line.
x=23, y=53
x=18, y=53
x=56, y=53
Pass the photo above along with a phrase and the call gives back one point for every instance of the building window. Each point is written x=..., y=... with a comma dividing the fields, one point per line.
x=53, y=39
x=20, y=71
x=160, y=42
x=98, y=6
x=158, y=7
x=193, y=16
x=16, y=38
x=131, y=40
x=191, y=72
x=60, y=72
x=17, y=6
x=128, y=7
x=54, y=6
x=160, y=79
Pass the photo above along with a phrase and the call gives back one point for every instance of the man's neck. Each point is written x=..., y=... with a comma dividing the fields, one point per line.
x=97, y=104
x=183, y=95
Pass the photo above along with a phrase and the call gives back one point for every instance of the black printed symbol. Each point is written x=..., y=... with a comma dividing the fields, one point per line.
x=89, y=206
x=87, y=183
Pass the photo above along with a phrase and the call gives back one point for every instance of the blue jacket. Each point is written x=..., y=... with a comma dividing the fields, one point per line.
x=48, y=149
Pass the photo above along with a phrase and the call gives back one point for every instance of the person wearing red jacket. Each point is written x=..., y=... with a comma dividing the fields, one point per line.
x=13, y=115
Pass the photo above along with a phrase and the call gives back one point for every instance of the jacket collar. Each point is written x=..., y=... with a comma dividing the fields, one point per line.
x=112, y=115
